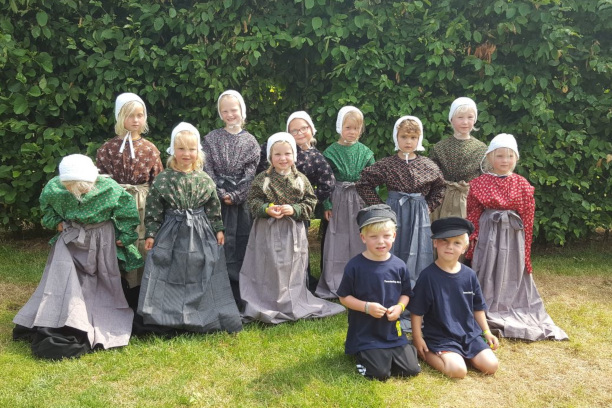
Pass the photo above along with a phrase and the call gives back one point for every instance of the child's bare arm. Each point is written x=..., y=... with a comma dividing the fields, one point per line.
x=371, y=308
x=481, y=319
x=417, y=335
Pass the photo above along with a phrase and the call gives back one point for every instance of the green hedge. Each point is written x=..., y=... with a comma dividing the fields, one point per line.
x=540, y=70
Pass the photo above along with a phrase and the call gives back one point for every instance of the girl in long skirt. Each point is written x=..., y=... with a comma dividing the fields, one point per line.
x=79, y=304
x=273, y=274
x=416, y=187
x=342, y=242
x=458, y=157
x=501, y=206
x=185, y=285
x=133, y=162
x=232, y=155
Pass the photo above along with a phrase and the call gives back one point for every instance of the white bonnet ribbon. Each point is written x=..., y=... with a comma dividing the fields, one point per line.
x=127, y=137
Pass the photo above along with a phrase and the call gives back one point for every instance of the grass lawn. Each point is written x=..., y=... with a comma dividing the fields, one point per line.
x=303, y=363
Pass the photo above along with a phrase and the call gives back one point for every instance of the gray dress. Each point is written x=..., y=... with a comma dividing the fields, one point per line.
x=81, y=287
x=514, y=304
x=185, y=284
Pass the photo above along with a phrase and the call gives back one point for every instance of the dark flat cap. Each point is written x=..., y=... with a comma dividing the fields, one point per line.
x=451, y=227
x=375, y=213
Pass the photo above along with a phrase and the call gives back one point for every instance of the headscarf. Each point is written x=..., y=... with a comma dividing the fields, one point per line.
x=503, y=140
x=461, y=102
x=499, y=141
x=183, y=126
x=281, y=136
x=77, y=167
x=302, y=115
x=236, y=95
x=341, y=114
x=419, y=147
x=119, y=102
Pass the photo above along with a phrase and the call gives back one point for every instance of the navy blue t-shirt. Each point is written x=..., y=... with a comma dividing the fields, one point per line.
x=373, y=281
x=447, y=302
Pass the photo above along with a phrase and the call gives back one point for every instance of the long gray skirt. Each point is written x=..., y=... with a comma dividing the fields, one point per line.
x=81, y=287
x=342, y=241
x=185, y=284
x=413, y=242
x=237, y=222
x=514, y=304
x=455, y=201
x=273, y=274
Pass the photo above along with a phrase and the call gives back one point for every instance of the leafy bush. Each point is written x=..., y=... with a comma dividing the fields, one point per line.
x=540, y=70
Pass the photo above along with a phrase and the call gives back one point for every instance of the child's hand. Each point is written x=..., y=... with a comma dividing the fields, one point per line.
x=220, y=238
x=394, y=312
x=287, y=210
x=328, y=214
x=119, y=243
x=227, y=200
x=420, y=346
x=492, y=341
x=149, y=243
x=274, y=211
x=376, y=310
x=60, y=226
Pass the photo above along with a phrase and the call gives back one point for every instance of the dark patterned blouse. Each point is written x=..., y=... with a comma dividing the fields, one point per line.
x=231, y=160
x=142, y=169
x=282, y=190
x=182, y=191
x=313, y=165
x=419, y=175
x=459, y=160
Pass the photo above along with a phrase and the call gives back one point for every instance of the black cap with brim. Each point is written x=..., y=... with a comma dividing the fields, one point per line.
x=451, y=227
x=375, y=213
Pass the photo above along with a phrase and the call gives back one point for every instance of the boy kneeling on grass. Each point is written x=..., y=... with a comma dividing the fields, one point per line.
x=448, y=296
x=376, y=289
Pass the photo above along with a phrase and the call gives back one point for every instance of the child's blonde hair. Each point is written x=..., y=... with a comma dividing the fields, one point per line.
x=183, y=138
x=227, y=96
x=357, y=116
x=298, y=183
x=78, y=188
x=379, y=227
x=465, y=236
x=124, y=113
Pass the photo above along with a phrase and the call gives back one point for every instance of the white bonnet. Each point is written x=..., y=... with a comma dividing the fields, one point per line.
x=302, y=115
x=125, y=98
x=461, y=102
x=183, y=126
x=419, y=147
x=77, y=167
x=503, y=140
x=281, y=136
x=342, y=113
x=236, y=95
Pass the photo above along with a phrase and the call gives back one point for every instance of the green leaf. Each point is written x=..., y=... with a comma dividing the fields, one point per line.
x=477, y=36
x=317, y=22
x=359, y=21
x=20, y=105
x=309, y=4
x=172, y=13
x=227, y=3
x=42, y=18
x=158, y=23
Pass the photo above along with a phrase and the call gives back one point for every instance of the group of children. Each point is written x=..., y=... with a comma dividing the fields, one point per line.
x=223, y=229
